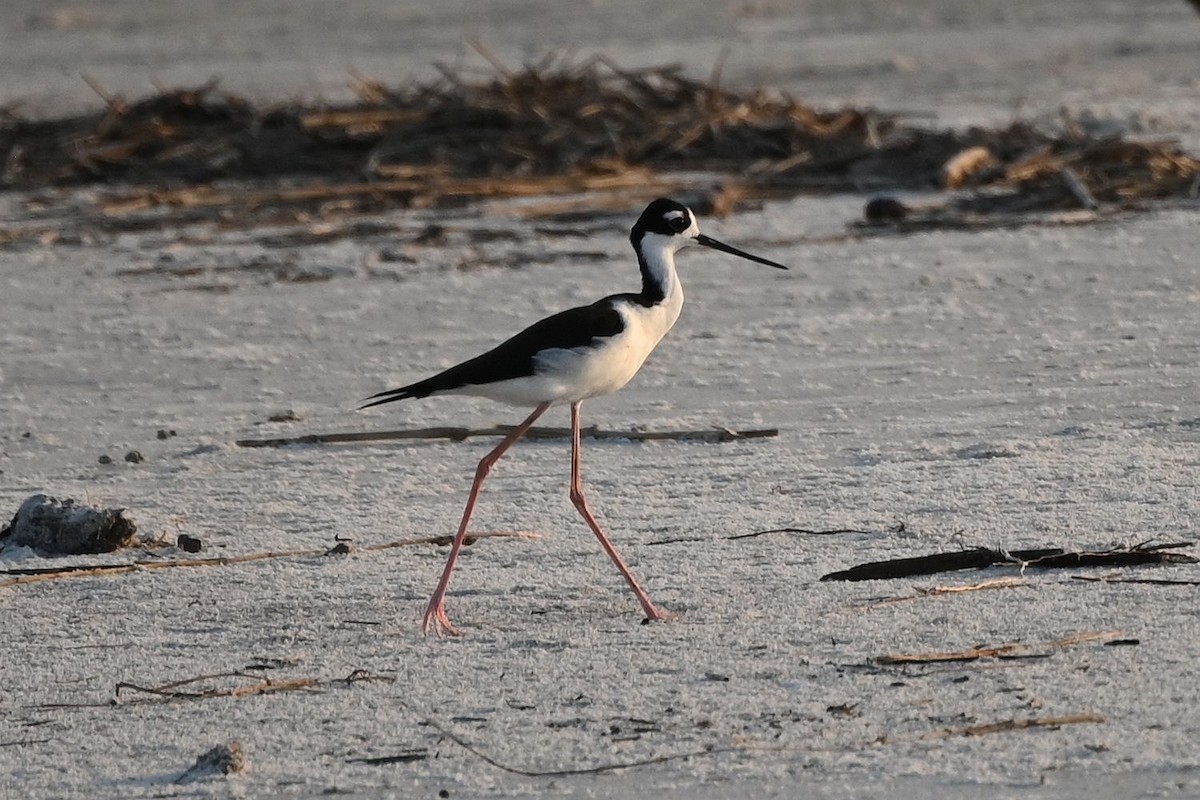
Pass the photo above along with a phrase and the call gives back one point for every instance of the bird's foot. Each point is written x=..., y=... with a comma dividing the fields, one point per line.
x=436, y=621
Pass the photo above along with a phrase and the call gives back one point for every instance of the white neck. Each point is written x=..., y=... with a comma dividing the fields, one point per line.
x=656, y=258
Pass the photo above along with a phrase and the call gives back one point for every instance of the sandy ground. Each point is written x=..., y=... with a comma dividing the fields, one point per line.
x=1012, y=388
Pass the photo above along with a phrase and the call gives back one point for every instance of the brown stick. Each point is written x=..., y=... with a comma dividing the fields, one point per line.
x=359, y=117
x=170, y=691
x=558, y=773
x=263, y=686
x=459, y=434
x=806, y=531
x=973, y=730
x=1016, y=650
x=77, y=571
x=997, y=583
x=1017, y=725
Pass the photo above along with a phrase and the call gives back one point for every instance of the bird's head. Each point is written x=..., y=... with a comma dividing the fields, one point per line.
x=668, y=225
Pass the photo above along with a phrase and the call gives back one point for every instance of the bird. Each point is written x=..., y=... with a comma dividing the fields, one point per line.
x=567, y=358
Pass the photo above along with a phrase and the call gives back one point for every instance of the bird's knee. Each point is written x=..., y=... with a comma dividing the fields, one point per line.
x=482, y=470
x=576, y=495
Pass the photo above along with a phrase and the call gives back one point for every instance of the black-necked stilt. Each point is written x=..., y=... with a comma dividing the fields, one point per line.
x=566, y=358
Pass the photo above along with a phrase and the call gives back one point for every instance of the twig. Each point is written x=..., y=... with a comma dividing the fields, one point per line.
x=808, y=531
x=714, y=78
x=1007, y=725
x=1079, y=189
x=416, y=754
x=479, y=47
x=936, y=591
x=982, y=557
x=363, y=676
x=560, y=773
x=1016, y=650
x=444, y=541
x=78, y=571
x=1149, y=546
x=170, y=691
x=111, y=100
x=1149, y=581
x=459, y=434
x=736, y=536
x=974, y=730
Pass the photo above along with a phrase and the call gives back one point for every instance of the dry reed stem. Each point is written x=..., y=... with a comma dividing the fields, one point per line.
x=1015, y=650
x=937, y=591
x=457, y=434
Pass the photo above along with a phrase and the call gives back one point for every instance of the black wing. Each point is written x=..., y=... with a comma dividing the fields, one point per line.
x=514, y=358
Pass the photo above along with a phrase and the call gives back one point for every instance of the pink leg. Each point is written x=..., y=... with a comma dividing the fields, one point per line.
x=652, y=612
x=435, y=613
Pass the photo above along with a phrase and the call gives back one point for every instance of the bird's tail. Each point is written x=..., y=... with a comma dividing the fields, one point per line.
x=419, y=389
x=390, y=396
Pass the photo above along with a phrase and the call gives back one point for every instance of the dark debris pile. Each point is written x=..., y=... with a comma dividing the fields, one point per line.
x=183, y=136
x=519, y=130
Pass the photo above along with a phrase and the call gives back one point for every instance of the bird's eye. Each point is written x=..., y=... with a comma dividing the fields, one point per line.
x=678, y=224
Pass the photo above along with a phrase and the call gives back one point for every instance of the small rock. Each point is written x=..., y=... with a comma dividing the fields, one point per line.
x=134, y=457
x=224, y=759
x=165, y=433
x=843, y=710
x=105, y=459
x=55, y=529
x=202, y=450
x=984, y=450
x=885, y=209
x=284, y=416
x=189, y=544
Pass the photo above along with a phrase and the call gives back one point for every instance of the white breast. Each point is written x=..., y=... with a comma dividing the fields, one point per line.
x=611, y=363
x=569, y=375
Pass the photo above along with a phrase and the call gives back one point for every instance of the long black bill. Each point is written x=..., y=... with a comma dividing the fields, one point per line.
x=708, y=241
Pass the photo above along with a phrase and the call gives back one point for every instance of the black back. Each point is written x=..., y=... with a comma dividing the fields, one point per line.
x=514, y=358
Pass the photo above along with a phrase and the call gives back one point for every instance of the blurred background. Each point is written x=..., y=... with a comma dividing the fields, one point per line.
x=967, y=62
